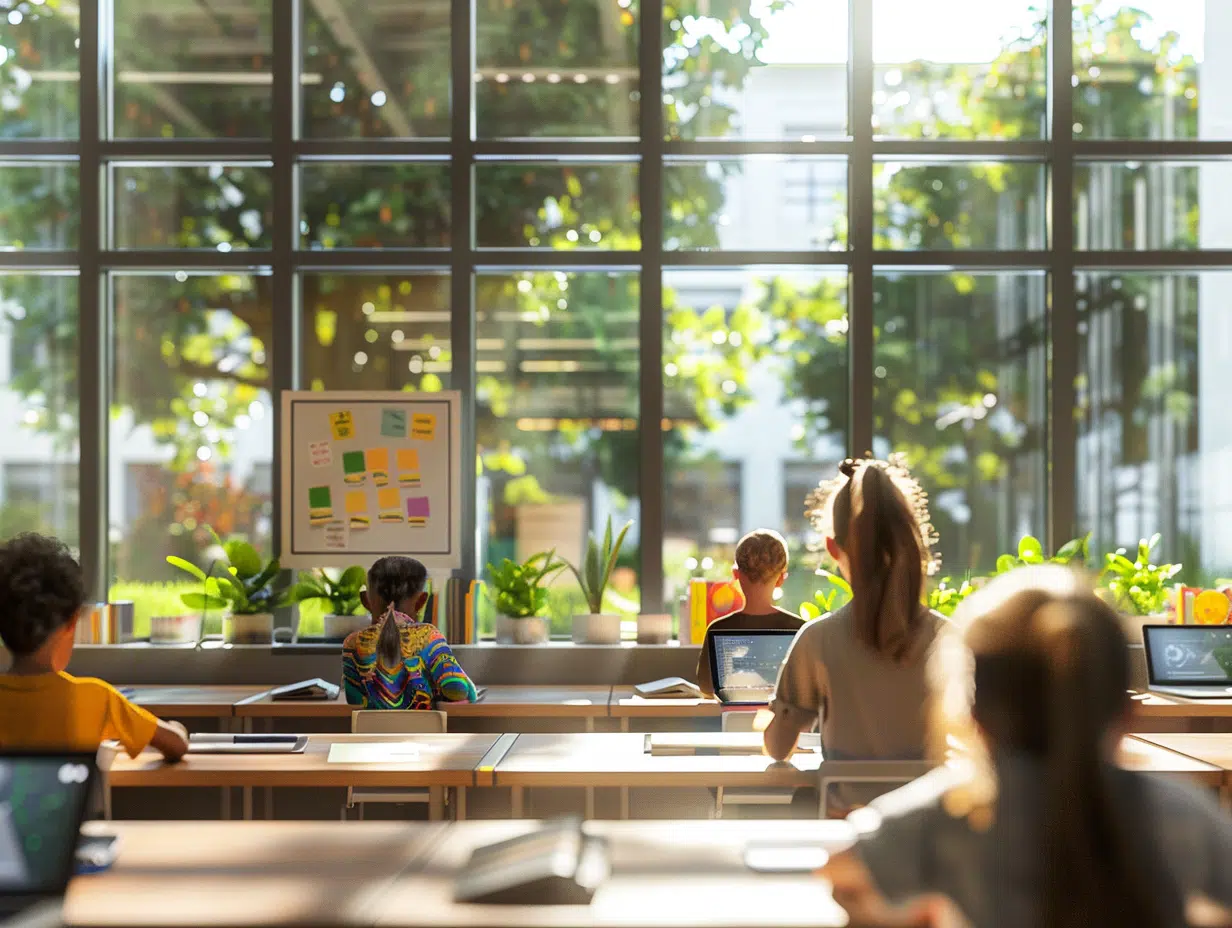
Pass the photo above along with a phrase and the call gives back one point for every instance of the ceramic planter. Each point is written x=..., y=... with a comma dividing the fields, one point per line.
x=596, y=629
x=175, y=629
x=338, y=627
x=654, y=629
x=249, y=629
x=530, y=630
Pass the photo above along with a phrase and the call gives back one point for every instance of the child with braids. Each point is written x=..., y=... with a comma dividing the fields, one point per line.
x=398, y=662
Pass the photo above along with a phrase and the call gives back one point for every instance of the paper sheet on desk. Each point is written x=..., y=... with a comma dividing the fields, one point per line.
x=373, y=753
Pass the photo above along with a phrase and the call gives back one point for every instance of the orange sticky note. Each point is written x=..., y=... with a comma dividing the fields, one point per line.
x=377, y=460
x=356, y=503
x=389, y=505
x=407, y=460
x=423, y=426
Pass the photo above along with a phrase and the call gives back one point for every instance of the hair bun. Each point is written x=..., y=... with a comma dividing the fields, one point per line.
x=848, y=467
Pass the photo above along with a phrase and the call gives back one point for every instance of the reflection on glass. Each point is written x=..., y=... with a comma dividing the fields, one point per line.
x=1134, y=206
x=960, y=69
x=548, y=69
x=769, y=202
x=215, y=206
x=741, y=70
x=1154, y=447
x=192, y=70
x=38, y=70
x=755, y=387
x=40, y=205
x=1139, y=70
x=38, y=405
x=560, y=206
x=960, y=386
x=375, y=70
x=920, y=206
x=374, y=205
x=376, y=331
x=191, y=426
x=557, y=405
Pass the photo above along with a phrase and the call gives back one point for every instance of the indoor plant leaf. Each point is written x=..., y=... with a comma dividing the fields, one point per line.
x=187, y=566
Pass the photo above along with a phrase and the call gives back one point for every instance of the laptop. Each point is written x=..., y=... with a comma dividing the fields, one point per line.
x=44, y=798
x=1190, y=661
x=744, y=663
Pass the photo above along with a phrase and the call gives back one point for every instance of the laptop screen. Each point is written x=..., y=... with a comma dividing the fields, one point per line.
x=745, y=664
x=43, y=799
x=1189, y=654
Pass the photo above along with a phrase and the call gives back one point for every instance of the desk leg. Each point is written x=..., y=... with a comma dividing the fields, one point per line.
x=516, y=799
x=460, y=804
x=107, y=799
x=624, y=724
x=268, y=801
x=718, y=802
x=246, y=803
x=624, y=803
x=436, y=803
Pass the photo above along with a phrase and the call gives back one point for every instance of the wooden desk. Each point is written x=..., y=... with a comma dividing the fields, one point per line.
x=189, y=702
x=688, y=874
x=1212, y=749
x=1140, y=752
x=539, y=702
x=626, y=704
x=1156, y=706
x=266, y=708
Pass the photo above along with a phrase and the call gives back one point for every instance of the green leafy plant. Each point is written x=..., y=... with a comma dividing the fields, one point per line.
x=826, y=601
x=1031, y=551
x=519, y=590
x=245, y=585
x=340, y=589
x=945, y=597
x=598, y=564
x=1138, y=586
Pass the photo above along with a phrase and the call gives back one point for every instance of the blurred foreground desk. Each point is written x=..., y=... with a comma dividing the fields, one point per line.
x=1212, y=749
x=359, y=875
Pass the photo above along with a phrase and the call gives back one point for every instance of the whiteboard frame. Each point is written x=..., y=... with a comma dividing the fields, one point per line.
x=436, y=562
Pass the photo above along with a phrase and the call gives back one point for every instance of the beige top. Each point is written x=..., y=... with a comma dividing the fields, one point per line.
x=870, y=707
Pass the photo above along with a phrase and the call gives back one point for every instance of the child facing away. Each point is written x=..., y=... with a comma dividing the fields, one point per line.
x=1031, y=823
x=398, y=662
x=860, y=672
x=760, y=569
x=41, y=706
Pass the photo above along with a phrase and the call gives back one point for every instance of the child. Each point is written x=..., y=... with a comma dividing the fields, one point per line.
x=761, y=568
x=397, y=662
x=1032, y=824
x=41, y=706
x=861, y=670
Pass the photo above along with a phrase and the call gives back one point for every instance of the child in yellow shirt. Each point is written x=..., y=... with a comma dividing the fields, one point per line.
x=41, y=706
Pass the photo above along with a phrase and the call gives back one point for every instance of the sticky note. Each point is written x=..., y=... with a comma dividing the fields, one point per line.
x=336, y=536
x=393, y=423
x=418, y=510
x=423, y=426
x=342, y=425
x=407, y=460
x=354, y=468
x=320, y=506
x=378, y=465
x=357, y=509
x=389, y=505
x=321, y=453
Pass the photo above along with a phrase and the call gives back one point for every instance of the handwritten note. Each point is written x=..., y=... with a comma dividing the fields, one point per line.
x=423, y=426
x=342, y=424
x=321, y=453
x=336, y=537
x=393, y=423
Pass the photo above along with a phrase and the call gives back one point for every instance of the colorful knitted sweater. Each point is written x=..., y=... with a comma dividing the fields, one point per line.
x=428, y=672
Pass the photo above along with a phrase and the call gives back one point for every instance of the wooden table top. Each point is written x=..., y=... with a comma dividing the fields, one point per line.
x=184, y=702
x=1214, y=749
x=266, y=708
x=1155, y=705
x=626, y=704
x=621, y=760
x=444, y=760
x=535, y=702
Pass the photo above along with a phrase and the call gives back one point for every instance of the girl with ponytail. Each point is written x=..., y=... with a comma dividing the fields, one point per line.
x=398, y=662
x=1029, y=823
x=860, y=672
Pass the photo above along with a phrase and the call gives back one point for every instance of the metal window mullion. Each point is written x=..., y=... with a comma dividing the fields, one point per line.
x=1063, y=343
x=651, y=470
x=860, y=223
x=93, y=322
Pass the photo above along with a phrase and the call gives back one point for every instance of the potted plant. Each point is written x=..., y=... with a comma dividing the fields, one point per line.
x=341, y=591
x=829, y=600
x=247, y=588
x=593, y=577
x=1139, y=589
x=1030, y=551
x=520, y=595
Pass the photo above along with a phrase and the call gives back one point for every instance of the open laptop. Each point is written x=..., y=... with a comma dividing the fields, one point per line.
x=744, y=663
x=1191, y=661
x=43, y=800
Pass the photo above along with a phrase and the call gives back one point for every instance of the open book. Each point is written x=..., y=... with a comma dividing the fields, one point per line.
x=305, y=689
x=669, y=688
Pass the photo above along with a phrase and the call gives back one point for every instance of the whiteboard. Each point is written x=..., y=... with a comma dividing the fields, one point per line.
x=366, y=475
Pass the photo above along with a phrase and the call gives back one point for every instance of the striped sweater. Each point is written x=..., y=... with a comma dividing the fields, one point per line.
x=427, y=673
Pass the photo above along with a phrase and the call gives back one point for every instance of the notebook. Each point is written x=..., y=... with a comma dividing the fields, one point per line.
x=305, y=690
x=210, y=743
x=668, y=688
x=1190, y=661
x=744, y=663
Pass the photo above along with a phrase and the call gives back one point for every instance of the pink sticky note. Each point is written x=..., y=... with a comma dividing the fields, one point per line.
x=417, y=510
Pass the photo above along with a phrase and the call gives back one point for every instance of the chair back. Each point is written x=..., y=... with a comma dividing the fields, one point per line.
x=398, y=722
x=890, y=772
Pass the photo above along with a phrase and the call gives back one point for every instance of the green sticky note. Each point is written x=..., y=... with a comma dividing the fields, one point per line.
x=319, y=498
x=353, y=462
x=393, y=423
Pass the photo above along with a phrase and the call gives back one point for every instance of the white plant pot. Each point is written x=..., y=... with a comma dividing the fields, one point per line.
x=1132, y=624
x=596, y=629
x=654, y=629
x=532, y=630
x=340, y=626
x=175, y=629
x=248, y=629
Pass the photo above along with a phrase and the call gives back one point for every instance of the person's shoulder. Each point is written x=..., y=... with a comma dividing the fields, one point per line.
x=789, y=619
x=363, y=637
x=92, y=685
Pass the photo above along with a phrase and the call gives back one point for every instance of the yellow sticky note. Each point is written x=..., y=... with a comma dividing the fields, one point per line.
x=342, y=425
x=423, y=426
x=378, y=465
x=389, y=505
x=356, y=501
x=408, y=467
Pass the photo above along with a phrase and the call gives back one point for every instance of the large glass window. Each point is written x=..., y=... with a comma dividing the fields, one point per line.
x=38, y=70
